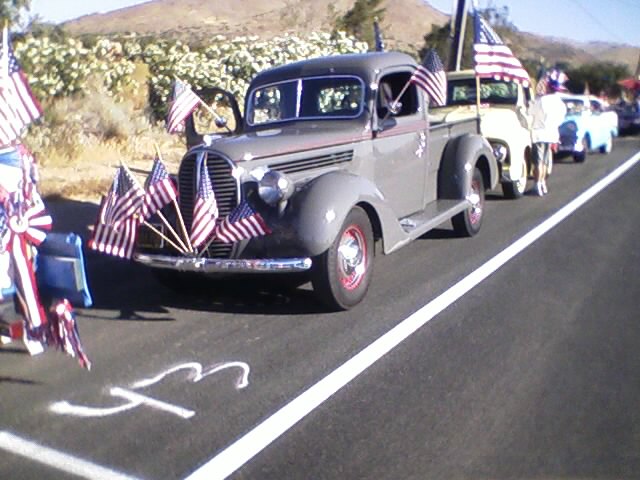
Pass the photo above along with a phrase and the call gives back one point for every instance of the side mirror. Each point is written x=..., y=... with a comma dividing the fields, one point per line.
x=219, y=117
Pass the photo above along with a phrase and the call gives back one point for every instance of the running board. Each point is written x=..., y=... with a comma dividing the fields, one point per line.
x=433, y=215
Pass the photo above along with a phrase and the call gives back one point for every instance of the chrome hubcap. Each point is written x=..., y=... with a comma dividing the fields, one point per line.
x=476, y=203
x=352, y=257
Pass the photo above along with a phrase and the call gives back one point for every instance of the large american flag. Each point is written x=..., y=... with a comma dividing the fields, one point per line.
x=430, y=76
x=18, y=106
x=184, y=102
x=159, y=189
x=243, y=222
x=205, y=210
x=493, y=59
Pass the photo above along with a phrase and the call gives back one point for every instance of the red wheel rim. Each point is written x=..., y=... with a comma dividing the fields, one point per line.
x=352, y=257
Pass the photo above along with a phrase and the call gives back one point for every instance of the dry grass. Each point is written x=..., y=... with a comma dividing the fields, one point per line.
x=83, y=139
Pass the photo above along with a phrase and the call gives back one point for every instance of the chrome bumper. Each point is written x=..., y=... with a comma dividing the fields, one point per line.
x=224, y=265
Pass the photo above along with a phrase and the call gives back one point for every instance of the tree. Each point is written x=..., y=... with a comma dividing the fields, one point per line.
x=11, y=10
x=359, y=20
x=601, y=77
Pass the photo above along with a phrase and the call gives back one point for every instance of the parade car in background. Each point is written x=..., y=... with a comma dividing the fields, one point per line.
x=588, y=126
x=628, y=117
x=504, y=123
x=336, y=170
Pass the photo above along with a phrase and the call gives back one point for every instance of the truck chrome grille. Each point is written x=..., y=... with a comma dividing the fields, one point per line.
x=311, y=163
x=225, y=187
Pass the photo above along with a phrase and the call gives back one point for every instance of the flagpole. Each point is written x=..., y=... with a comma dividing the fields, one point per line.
x=175, y=204
x=184, y=249
x=162, y=235
x=204, y=104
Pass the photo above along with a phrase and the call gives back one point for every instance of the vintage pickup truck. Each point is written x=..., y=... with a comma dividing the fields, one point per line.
x=504, y=122
x=336, y=174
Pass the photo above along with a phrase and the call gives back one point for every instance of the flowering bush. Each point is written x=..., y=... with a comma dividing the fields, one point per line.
x=59, y=69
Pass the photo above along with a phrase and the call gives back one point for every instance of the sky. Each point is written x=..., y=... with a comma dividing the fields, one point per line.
x=614, y=21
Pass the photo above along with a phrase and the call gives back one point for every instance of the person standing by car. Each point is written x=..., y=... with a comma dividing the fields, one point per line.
x=547, y=114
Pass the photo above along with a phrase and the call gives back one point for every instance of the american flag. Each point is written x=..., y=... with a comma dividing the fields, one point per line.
x=159, y=188
x=106, y=239
x=127, y=197
x=18, y=106
x=205, y=211
x=184, y=102
x=243, y=222
x=493, y=59
x=431, y=78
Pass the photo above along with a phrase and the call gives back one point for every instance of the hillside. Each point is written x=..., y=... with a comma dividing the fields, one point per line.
x=404, y=26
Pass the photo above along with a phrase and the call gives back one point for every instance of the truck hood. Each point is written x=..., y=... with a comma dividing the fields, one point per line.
x=288, y=139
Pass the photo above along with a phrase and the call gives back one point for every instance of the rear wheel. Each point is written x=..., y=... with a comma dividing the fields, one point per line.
x=341, y=275
x=607, y=147
x=468, y=223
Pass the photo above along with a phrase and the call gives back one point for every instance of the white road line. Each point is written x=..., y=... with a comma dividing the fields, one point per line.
x=58, y=460
x=253, y=442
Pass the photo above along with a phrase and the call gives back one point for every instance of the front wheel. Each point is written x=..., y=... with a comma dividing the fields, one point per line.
x=580, y=157
x=342, y=274
x=516, y=188
x=467, y=223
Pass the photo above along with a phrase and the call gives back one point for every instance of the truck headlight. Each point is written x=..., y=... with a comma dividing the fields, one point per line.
x=274, y=187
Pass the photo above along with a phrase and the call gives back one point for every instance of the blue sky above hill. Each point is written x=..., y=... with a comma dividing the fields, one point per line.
x=613, y=21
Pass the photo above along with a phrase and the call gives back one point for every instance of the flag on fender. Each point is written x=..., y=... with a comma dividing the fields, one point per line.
x=242, y=223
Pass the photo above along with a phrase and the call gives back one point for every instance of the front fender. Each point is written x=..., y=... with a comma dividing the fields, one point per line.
x=461, y=155
x=317, y=211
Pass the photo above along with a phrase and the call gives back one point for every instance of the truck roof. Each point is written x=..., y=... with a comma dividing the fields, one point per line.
x=364, y=65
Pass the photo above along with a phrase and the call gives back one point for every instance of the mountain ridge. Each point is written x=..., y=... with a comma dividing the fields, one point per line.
x=404, y=26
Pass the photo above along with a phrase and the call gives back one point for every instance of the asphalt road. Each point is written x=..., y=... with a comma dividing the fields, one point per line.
x=531, y=374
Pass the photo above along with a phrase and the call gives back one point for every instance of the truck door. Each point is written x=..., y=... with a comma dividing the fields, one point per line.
x=399, y=144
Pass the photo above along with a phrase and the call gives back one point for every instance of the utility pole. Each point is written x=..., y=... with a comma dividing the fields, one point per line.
x=459, y=22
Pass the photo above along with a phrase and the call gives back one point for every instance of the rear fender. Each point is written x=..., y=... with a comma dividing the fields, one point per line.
x=461, y=155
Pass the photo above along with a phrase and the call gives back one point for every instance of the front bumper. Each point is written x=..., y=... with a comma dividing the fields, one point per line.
x=224, y=265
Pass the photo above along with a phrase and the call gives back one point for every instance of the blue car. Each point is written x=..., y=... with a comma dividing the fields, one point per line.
x=588, y=127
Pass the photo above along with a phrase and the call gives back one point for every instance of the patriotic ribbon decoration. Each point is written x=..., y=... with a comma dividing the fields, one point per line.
x=28, y=229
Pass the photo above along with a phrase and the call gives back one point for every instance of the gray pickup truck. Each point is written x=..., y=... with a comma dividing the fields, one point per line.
x=337, y=171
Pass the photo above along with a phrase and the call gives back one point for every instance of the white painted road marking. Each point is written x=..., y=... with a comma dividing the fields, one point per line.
x=137, y=399
x=253, y=442
x=58, y=460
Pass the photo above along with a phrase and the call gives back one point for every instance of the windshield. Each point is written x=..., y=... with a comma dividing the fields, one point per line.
x=306, y=98
x=463, y=92
x=574, y=106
